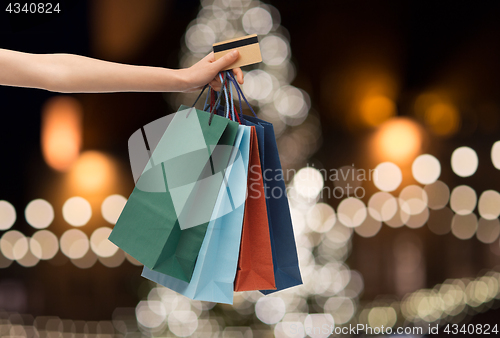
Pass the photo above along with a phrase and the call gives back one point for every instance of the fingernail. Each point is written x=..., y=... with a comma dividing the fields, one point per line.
x=234, y=53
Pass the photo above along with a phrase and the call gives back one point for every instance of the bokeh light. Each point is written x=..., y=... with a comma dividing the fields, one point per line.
x=442, y=119
x=440, y=221
x=464, y=161
x=113, y=261
x=200, y=38
x=100, y=244
x=61, y=132
x=258, y=85
x=463, y=200
x=382, y=206
x=387, y=176
x=44, y=244
x=92, y=172
x=77, y=211
x=182, y=323
x=495, y=154
x=351, y=212
x=39, y=214
x=417, y=220
x=28, y=260
x=464, y=226
x=398, y=140
x=321, y=218
x=112, y=207
x=308, y=182
x=274, y=50
x=14, y=245
x=290, y=102
x=382, y=316
x=7, y=215
x=151, y=314
x=74, y=243
x=377, y=109
x=270, y=310
x=257, y=21
x=488, y=230
x=369, y=228
x=86, y=262
x=489, y=204
x=413, y=200
x=438, y=195
x=426, y=169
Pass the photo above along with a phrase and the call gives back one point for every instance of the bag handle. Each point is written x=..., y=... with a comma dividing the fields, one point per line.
x=212, y=111
x=238, y=89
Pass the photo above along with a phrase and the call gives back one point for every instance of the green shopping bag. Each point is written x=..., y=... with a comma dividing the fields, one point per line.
x=165, y=219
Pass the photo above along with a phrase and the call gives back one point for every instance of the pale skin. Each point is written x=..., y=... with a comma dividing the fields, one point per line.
x=68, y=73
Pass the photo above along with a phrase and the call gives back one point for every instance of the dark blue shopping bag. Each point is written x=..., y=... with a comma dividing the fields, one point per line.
x=284, y=249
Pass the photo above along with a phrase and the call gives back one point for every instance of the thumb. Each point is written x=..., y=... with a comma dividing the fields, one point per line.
x=226, y=60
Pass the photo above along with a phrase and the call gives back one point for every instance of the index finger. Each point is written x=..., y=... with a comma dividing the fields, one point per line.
x=238, y=73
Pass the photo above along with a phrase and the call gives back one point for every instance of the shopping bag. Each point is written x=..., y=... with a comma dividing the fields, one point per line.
x=284, y=250
x=185, y=168
x=255, y=263
x=215, y=268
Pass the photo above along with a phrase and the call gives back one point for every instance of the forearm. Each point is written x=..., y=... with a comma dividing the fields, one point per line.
x=72, y=73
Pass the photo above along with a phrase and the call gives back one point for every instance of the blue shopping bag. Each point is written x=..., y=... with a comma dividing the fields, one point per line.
x=215, y=268
x=284, y=249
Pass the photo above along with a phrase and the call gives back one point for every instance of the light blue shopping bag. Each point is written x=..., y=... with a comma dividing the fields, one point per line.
x=215, y=268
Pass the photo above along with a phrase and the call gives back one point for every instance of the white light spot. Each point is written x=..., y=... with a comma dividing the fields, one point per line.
x=14, y=245
x=274, y=50
x=464, y=161
x=183, y=323
x=150, y=314
x=39, y=214
x=77, y=211
x=314, y=321
x=308, y=182
x=74, y=243
x=413, y=200
x=257, y=21
x=387, y=176
x=495, y=155
x=258, y=84
x=321, y=218
x=463, y=200
x=200, y=38
x=289, y=101
x=7, y=215
x=44, y=244
x=270, y=310
x=426, y=169
x=489, y=204
x=382, y=206
x=351, y=212
x=100, y=243
x=112, y=207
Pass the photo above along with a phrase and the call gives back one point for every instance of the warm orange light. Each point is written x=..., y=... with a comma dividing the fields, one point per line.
x=443, y=119
x=377, y=109
x=61, y=134
x=398, y=140
x=93, y=172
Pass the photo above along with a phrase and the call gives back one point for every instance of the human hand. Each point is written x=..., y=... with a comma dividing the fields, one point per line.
x=206, y=71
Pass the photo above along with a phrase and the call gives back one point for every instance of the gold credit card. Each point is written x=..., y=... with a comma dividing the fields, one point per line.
x=248, y=46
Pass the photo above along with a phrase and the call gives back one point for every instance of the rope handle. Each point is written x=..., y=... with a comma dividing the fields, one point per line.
x=238, y=89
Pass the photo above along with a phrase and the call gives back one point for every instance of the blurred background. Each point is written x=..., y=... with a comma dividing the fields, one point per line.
x=387, y=117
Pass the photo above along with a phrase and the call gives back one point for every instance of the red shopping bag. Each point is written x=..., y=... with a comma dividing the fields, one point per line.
x=255, y=263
